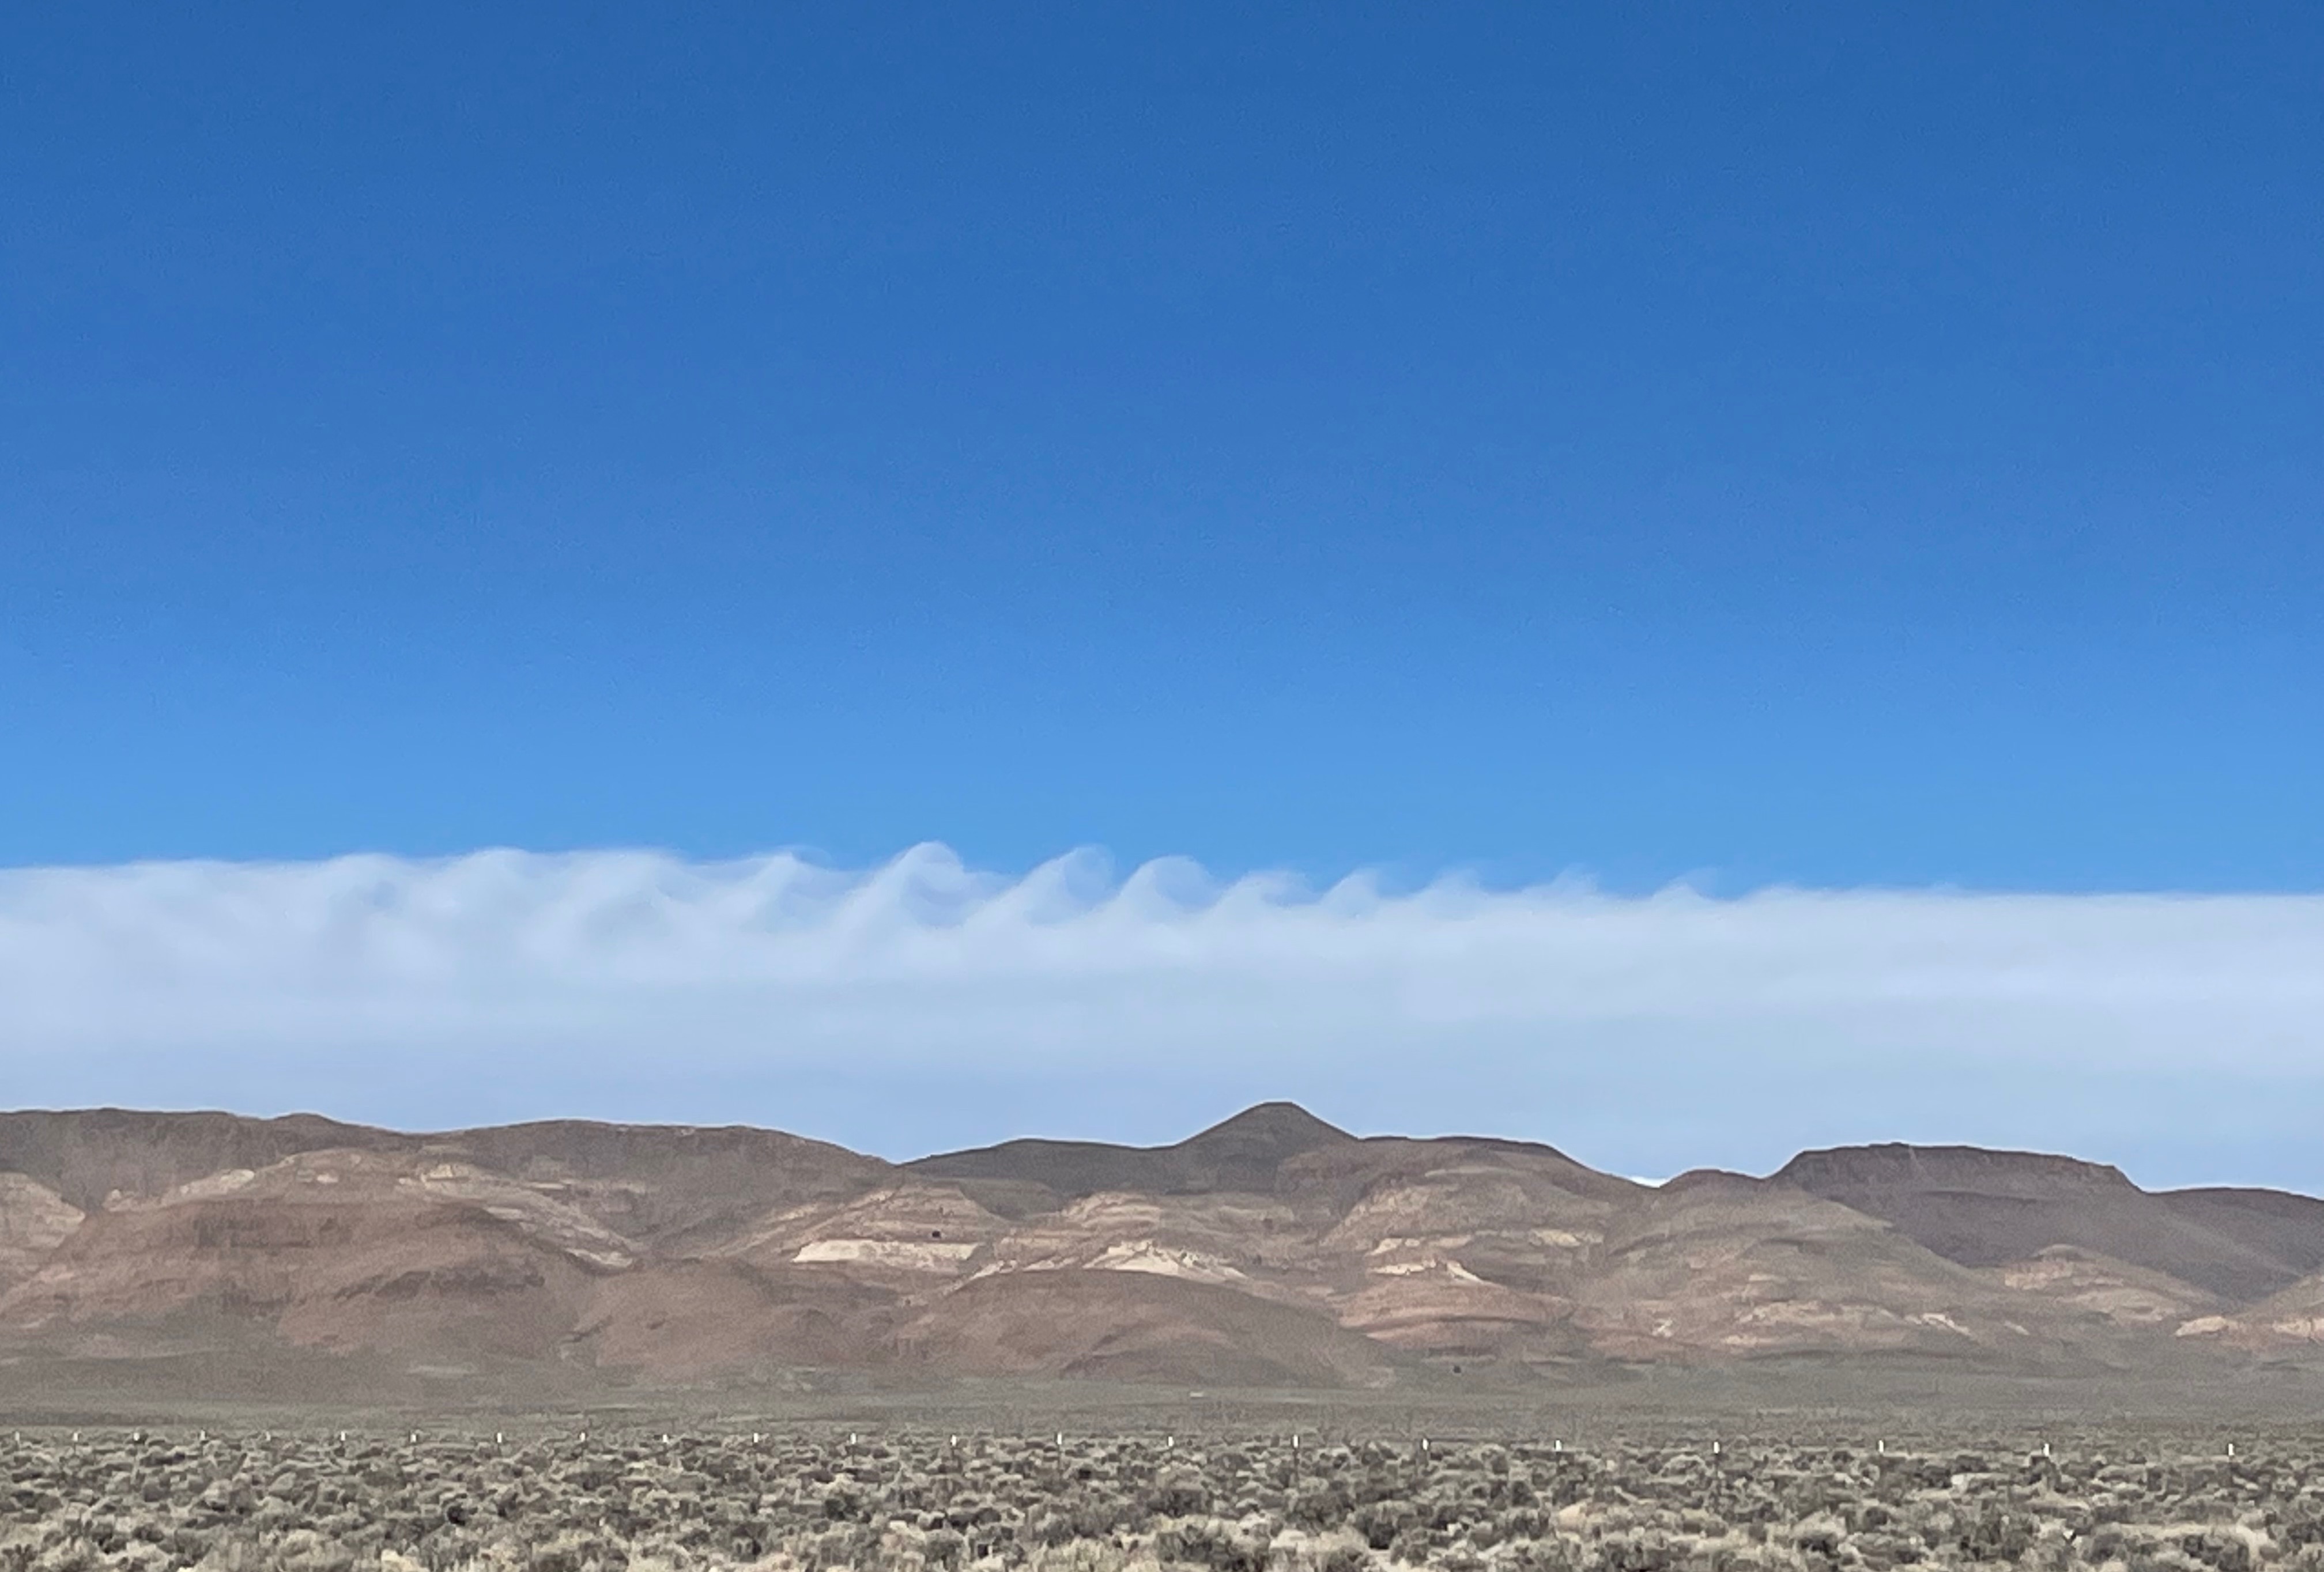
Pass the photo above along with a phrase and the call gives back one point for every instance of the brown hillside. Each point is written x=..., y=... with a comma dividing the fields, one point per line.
x=1240, y=1154
x=1721, y=1266
x=1271, y=1249
x=88, y=1154
x=671, y=1187
x=1988, y=1208
x=339, y=1250
x=689, y=1320
x=2283, y=1232
x=1139, y=1327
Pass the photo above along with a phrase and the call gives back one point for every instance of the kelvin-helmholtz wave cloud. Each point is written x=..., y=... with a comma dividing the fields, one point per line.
x=924, y=1003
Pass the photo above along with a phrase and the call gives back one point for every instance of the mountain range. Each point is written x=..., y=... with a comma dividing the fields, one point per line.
x=1272, y=1249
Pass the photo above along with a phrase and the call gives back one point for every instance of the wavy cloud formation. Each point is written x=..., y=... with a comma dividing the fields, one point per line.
x=924, y=1003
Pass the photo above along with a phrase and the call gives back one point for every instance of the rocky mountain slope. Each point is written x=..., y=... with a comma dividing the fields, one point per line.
x=1271, y=1249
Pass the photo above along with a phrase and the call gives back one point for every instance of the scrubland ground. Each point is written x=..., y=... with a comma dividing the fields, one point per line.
x=327, y=1502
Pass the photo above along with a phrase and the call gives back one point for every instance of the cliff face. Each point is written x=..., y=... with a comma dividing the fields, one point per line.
x=1271, y=1249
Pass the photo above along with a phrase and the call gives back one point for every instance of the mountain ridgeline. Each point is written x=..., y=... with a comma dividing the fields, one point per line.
x=1271, y=1250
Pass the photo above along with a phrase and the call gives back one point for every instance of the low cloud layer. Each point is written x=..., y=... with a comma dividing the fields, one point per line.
x=924, y=1004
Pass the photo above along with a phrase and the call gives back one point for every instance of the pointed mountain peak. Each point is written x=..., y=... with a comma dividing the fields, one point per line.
x=1284, y=1127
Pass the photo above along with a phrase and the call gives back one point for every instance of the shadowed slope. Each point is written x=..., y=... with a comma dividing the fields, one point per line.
x=337, y=1250
x=1240, y=1154
x=672, y=1188
x=663, y=1186
x=1718, y=1266
x=1125, y=1326
x=88, y=1154
x=1989, y=1208
x=2283, y=1232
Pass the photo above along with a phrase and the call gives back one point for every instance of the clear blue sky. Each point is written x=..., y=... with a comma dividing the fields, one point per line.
x=1831, y=442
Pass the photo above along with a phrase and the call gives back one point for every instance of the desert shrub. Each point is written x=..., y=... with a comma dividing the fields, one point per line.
x=1318, y=1506
x=2222, y=1551
x=1080, y=1556
x=1628, y=1553
x=800, y=1505
x=1382, y=1522
x=1210, y=1542
x=1820, y=1536
x=73, y=1554
x=1995, y=1534
x=1551, y=1553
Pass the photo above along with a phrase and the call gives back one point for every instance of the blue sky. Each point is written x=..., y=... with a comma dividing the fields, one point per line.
x=1869, y=448
x=1829, y=444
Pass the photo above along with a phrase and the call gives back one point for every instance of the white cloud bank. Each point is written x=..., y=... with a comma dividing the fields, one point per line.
x=923, y=1002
